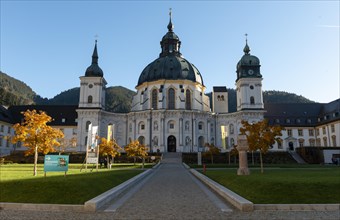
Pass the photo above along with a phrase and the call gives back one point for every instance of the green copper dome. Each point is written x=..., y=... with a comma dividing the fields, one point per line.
x=94, y=69
x=170, y=68
x=170, y=65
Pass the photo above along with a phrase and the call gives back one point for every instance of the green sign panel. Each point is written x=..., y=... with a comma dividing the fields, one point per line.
x=56, y=163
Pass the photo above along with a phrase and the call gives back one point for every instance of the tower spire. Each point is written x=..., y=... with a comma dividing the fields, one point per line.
x=246, y=48
x=95, y=54
x=170, y=25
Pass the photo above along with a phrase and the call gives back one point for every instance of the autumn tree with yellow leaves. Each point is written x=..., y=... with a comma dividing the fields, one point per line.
x=36, y=135
x=260, y=136
x=135, y=149
x=109, y=148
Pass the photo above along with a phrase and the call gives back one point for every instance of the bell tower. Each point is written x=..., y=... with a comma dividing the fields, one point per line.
x=91, y=102
x=249, y=82
x=92, y=85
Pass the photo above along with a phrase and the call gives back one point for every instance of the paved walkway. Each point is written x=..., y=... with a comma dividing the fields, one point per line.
x=170, y=192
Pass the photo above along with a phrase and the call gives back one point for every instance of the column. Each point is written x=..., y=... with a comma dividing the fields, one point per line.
x=181, y=132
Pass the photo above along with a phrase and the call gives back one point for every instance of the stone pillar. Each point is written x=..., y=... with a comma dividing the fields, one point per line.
x=181, y=133
x=242, y=147
x=162, y=135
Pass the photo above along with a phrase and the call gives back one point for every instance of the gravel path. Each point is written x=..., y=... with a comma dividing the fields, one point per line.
x=170, y=193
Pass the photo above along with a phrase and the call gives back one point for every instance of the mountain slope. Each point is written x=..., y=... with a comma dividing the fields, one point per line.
x=14, y=92
x=118, y=98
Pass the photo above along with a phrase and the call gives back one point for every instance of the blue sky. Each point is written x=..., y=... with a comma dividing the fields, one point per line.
x=48, y=44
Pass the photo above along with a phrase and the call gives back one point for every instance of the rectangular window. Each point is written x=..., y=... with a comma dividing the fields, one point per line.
x=1, y=138
x=323, y=130
x=300, y=132
x=2, y=128
x=7, y=143
x=311, y=132
x=332, y=128
x=142, y=127
x=317, y=132
x=289, y=132
x=172, y=126
x=200, y=127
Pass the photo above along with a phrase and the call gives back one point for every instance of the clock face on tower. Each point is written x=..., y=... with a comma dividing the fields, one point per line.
x=250, y=72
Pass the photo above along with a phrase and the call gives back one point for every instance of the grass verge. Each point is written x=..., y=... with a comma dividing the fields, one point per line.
x=283, y=185
x=17, y=184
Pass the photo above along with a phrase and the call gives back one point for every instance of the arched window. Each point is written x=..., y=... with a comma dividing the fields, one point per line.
x=252, y=100
x=141, y=140
x=87, y=125
x=154, y=99
x=231, y=129
x=201, y=142
x=171, y=98
x=301, y=142
x=232, y=142
x=89, y=99
x=325, y=144
x=200, y=126
x=141, y=126
x=334, y=140
x=188, y=100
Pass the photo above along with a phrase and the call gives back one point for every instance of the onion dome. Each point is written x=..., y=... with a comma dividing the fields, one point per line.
x=249, y=65
x=170, y=65
x=94, y=69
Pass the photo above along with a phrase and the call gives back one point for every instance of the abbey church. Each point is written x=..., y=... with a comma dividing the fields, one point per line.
x=170, y=112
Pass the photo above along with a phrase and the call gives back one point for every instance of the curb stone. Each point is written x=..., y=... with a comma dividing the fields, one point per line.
x=90, y=206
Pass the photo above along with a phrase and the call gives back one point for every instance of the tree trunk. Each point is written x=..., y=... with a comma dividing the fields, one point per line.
x=134, y=160
x=261, y=161
x=212, y=159
x=143, y=163
x=35, y=160
x=107, y=161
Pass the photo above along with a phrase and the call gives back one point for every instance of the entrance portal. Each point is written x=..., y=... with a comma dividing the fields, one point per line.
x=171, y=143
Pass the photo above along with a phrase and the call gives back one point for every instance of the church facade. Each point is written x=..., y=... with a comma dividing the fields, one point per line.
x=170, y=112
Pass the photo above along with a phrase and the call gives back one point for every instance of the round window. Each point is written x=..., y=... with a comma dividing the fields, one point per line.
x=251, y=87
x=90, y=86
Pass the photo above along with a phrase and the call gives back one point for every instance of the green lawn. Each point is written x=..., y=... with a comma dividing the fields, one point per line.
x=312, y=185
x=17, y=183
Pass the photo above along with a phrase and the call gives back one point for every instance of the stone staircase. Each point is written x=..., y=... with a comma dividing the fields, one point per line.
x=297, y=157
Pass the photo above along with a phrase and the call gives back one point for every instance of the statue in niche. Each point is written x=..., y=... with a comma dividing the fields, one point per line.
x=187, y=126
x=155, y=126
x=155, y=141
x=187, y=141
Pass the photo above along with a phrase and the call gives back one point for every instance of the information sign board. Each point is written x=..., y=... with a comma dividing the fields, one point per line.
x=55, y=163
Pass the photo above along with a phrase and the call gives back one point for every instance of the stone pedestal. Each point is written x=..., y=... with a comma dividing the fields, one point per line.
x=242, y=147
x=199, y=158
